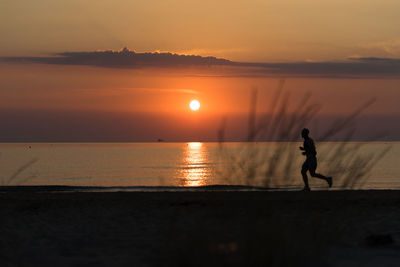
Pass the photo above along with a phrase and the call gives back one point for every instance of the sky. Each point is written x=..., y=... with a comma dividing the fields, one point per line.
x=116, y=71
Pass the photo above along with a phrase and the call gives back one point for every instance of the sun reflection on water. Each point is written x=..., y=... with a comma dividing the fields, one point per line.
x=195, y=158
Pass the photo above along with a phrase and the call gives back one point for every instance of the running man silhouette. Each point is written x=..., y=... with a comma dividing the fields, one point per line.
x=311, y=161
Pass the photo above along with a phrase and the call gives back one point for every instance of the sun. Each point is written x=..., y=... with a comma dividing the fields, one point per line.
x=194, y=105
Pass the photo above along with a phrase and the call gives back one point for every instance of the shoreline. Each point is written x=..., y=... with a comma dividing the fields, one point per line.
x=46, y=188
x=205, y=188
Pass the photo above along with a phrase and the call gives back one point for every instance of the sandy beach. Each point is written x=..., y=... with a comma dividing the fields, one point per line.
x=45, y=227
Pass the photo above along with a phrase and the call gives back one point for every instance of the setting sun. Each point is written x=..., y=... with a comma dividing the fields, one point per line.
x=194, y=105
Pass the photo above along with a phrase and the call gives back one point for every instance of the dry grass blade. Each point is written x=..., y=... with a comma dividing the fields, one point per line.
x=21, y=169
x=260, y=165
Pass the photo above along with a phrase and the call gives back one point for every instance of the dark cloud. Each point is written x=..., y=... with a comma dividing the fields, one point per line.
x=376, y=59
x=363, y=67
x=124, y=58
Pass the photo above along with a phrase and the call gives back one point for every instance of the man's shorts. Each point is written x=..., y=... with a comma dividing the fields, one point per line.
x=310, y=164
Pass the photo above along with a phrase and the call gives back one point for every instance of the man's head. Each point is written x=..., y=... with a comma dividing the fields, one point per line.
x=305, y=132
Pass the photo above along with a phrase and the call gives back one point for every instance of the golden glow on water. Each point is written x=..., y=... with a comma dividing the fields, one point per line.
x=195, y=156
x=195, y=145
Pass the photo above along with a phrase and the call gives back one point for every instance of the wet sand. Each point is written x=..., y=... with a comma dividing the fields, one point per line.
x=44, y=227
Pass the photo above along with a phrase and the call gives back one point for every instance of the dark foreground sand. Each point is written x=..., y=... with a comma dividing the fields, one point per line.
x=338, y=228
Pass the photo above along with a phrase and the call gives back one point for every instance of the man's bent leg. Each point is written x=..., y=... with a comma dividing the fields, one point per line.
x=320, y=176
x=317, y=175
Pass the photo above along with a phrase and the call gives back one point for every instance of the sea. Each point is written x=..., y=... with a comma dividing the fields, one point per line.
x=175, y=166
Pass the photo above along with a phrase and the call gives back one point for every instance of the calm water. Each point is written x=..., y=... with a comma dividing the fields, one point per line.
x=189, y=164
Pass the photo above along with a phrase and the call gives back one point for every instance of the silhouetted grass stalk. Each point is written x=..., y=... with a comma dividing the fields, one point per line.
x=15, y=178
x=261, y=164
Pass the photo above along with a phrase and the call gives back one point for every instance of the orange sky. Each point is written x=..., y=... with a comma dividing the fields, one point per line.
x=149, y=104
x=361, y=35
x=252, y=30
x=32, y=86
